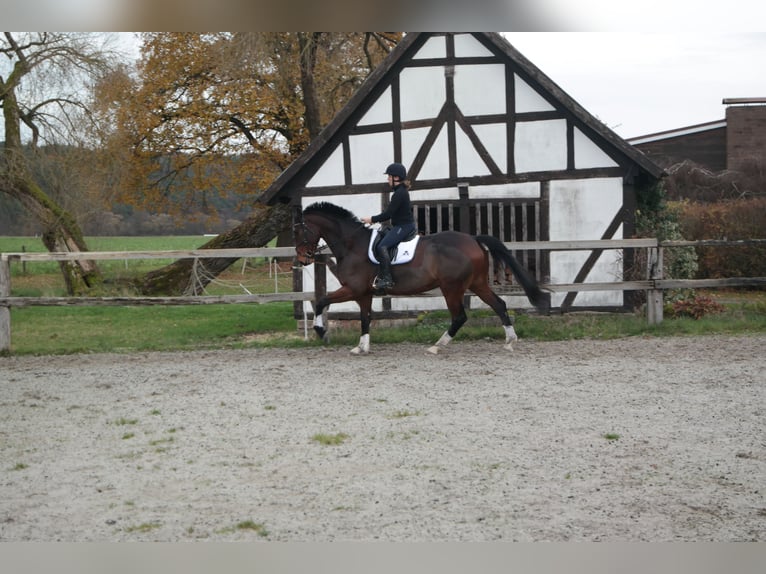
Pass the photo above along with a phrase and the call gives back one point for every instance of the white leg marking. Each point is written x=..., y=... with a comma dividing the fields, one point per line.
x=510, y=337
x=442, y=342
x=319, y=321
x=363, y=347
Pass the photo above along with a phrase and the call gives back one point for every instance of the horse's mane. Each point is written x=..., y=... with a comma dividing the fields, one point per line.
x=326, y=208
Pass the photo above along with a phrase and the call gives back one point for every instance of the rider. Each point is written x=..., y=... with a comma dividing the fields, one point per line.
x=403, y=224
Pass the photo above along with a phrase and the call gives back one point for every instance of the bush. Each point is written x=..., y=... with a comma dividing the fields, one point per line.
x=694, y=306
x=728, y=220
x=657, y=218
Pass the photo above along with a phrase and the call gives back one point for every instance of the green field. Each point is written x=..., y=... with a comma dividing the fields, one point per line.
x=61, y=330
x=43, y=279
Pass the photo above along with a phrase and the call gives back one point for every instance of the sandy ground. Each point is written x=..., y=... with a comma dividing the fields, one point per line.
x=640, y=439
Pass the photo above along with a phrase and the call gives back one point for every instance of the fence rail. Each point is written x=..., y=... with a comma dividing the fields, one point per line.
x=654, y=285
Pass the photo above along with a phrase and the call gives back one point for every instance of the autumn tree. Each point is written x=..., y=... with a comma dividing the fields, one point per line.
x=225, y=113
x=42, y=79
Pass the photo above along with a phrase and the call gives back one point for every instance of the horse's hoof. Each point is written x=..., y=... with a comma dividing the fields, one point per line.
x=433, y=350
x=358, y=351
x=508, y=347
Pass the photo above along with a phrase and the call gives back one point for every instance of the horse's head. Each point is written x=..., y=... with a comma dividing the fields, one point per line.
x=326, y=221
x=306, y=241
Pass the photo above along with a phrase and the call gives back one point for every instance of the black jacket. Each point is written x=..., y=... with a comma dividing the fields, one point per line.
x=399, y=210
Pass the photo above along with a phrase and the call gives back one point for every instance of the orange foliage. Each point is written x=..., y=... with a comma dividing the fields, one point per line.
x=222, y=114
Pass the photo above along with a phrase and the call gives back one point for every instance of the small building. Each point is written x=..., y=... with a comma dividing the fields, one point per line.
x=736, y=143
x=493, y=146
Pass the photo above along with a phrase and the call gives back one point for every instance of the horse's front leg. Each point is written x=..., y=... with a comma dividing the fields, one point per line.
x=365, y=315
x=338, y=296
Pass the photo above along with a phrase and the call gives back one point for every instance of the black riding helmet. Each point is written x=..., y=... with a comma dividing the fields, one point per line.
x=396, y=170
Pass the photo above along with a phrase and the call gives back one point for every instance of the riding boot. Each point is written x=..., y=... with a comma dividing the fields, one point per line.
x=384, y=279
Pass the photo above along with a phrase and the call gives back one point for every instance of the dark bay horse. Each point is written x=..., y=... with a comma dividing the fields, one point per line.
x=452, y=261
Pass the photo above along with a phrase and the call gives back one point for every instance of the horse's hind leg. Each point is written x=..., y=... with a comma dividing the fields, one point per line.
x=457, y=310
x=365, y=315
x=501, y=310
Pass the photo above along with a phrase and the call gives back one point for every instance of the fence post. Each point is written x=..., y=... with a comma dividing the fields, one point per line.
x=5, y=311
x=654, y=297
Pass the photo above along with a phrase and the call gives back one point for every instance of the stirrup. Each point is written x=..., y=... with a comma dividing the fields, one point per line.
x=382, y=283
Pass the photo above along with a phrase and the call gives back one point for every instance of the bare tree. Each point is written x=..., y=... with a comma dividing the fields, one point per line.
x=42, y=93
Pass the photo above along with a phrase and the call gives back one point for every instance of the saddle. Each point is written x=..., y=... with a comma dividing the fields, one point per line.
x=401, y=253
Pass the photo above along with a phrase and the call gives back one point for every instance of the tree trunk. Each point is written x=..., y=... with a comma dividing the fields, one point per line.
x=61, y=233
x=191, y=276
x=307, y=44
x=60, y=230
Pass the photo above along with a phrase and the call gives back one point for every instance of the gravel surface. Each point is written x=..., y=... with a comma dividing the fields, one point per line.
x=639, y=439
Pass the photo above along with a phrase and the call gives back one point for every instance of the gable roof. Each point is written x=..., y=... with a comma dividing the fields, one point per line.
x=404, y=51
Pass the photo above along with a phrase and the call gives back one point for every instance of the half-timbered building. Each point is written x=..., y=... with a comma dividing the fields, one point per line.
x=493, y=146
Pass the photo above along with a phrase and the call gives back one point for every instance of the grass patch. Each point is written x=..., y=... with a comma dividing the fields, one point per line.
x=63, y=330
x=404, y=414
x=143, y=527
x=260, y=529
x=123, y=421
x=611, y=436
x=250, y=525
x=19, y=466
x=160, y=441
x=330, y=439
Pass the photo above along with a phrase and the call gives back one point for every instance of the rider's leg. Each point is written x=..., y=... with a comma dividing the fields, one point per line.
x=384, y=279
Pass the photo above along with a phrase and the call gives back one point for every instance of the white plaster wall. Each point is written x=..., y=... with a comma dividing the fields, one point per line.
x=434, y=47
x=380, y=112
x=441, y=194
x=495, y=140
x=541, y=146
x=359, y=204
x=587, y=154
x=436, y=164
x=331, y=172
x=370, y=154
x=469, y=162
x=412, y=141
x=422, y=92
x=529, y=189
x=466, y=46
x=527, y=98
x=582, y=210
x=480, y=89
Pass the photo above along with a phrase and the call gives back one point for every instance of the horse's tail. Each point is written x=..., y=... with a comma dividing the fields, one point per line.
x=497, y=248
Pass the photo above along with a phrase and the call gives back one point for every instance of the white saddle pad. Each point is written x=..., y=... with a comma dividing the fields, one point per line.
x=405, y=251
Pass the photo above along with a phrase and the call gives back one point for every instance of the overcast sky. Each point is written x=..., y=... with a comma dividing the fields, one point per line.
x=639, y=84
x=643, y=83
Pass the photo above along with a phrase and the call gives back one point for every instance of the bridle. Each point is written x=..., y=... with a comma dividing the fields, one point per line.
x=309, y=244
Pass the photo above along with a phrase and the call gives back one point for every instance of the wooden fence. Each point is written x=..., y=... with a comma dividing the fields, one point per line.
x=654, y=284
